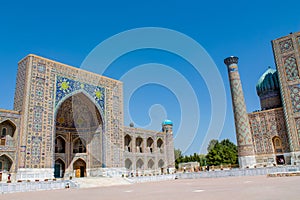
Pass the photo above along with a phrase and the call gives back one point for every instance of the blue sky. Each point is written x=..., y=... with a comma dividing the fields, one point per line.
x=68, y=31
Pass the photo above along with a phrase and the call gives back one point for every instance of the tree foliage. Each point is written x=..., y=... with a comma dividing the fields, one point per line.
x=177, y=153
x=211, y=144
x=224, y=152
x=192, y=158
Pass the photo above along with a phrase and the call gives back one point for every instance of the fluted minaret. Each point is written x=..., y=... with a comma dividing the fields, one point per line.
x=242, y=126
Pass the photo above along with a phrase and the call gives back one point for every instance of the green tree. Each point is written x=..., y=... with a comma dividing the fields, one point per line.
x=178, y=157
x=177, y=153
x=211, y=144
x=224, y=152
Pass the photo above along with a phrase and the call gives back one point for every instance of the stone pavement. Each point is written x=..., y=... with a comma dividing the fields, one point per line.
x=246, y=187
x=90, y=182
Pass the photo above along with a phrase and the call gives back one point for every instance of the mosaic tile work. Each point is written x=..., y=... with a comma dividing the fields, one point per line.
x=291, y=68
x=243, y=133
x=286, y=46
x=59, y=127
x=287, y=67
x=240, y=113
x=265, y=126
x=295, y=97
x=297, y=120
x=20, y=87
x=36, y=150
x=66, y=86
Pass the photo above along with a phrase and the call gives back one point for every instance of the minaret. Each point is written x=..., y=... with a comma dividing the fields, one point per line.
x=167, y=128
x=242, y=126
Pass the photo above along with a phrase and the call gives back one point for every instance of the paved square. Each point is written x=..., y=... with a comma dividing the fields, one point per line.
x=259, y=187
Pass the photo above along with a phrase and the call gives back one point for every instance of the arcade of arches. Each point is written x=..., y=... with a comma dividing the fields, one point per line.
x=145, y=153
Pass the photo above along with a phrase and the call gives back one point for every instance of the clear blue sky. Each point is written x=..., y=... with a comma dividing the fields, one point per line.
x=68, y=31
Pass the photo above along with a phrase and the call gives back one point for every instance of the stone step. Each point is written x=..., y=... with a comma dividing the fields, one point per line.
x=284, y=174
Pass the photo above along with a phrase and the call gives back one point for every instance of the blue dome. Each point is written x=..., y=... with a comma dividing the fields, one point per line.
x=167, y=122
x=268, y=82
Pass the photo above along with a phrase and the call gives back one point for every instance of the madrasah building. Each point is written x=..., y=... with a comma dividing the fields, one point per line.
x=270, y=136
x=67, y=122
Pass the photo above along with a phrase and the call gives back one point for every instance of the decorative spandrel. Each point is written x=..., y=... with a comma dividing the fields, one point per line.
x=286, y=46
x=291, y=68
x=66, y=86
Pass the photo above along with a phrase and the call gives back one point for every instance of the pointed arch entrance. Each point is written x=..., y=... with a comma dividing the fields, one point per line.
x=80, y=168
x=5, y=163
x=78, y=139
x=278, y=150
x=59, y=168
x=7, y=131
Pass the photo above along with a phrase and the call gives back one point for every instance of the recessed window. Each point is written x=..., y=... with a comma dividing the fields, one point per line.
x=3, y=133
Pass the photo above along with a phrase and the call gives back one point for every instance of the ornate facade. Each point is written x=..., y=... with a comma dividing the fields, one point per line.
x=275, y=129
x=69, y=122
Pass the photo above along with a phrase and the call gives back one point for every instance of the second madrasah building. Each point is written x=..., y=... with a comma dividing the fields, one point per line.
x=270, y=136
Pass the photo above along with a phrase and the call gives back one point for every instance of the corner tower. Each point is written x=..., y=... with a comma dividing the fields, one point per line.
x=242, y=126
x=167, y=128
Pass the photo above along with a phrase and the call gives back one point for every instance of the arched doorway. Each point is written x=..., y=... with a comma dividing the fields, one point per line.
x=128, y=164
x=150, y=145
x=140, y=164
x=79, y=146
x=5, y=163
x=80, y=168
x=7, y=131
x=150, y=164
x=59, y=168
x=160, y=146
x=278, y=150
x=161, y=164
x=60, y=145
x=139, y=145
x=127, y=143
x=78, y=126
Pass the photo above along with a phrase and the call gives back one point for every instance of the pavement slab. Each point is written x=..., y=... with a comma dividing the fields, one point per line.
x=252, y=187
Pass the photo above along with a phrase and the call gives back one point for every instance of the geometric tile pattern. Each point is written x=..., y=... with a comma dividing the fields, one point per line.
x=295, y=97
x=240, y=114
x=287, y=67
x=66, y=86
x=291, y=68
x=286, y=46
x=297, y=120
x=265, y=126
x=53, y=99
x=242, y=126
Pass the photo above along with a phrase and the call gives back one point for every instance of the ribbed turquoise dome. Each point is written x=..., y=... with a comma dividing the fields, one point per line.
x=268, y=82
x=167, y=122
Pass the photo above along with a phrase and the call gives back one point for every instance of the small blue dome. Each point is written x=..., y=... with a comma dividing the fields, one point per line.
x=167, y=122
x=268, y=82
